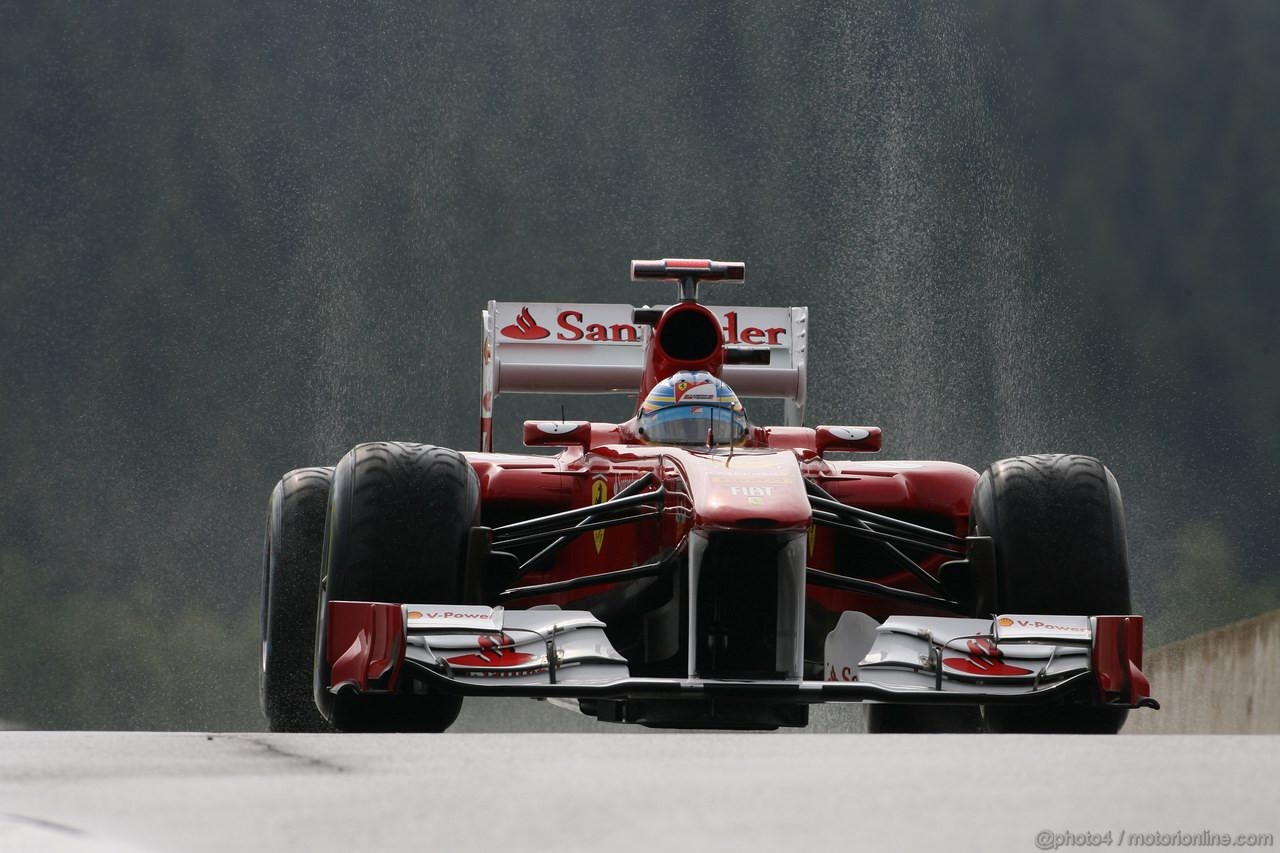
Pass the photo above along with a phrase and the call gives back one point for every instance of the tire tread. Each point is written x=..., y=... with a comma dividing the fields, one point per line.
x=290, y=589
x=1058, y=527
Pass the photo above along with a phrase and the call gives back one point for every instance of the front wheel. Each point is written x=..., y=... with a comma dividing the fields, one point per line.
x=1057, y=524
x=397, y=531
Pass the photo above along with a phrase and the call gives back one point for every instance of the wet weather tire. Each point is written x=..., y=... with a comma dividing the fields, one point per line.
x=290, y=590
x=1057, y=524
x=397, y=531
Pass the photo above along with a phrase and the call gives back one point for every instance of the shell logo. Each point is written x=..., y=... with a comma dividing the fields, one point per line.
x=415, y=614
x=1005, y=622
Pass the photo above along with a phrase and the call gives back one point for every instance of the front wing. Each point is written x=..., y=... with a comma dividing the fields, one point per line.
x=552, y=653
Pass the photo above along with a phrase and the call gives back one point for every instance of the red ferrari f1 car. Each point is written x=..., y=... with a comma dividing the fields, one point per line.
x=688, y=568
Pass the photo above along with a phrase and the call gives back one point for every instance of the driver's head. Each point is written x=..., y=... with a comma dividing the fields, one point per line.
x=681, y=408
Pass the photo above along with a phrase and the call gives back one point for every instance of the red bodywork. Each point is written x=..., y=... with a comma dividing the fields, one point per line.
x=759, y=488
x=366, y=641
x=701, y=489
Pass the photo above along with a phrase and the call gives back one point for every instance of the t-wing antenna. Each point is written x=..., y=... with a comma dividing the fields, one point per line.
x=688, y=273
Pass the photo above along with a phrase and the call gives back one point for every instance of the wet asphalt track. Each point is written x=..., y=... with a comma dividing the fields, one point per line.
x=117, y=791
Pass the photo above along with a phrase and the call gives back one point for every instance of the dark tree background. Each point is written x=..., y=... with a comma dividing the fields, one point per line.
x=240, y=237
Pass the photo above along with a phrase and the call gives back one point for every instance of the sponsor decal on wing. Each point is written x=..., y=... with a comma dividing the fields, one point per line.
x=452, y=617
x=1073, y=629
x=496, y=651
x=525, y=328
x=984, y=660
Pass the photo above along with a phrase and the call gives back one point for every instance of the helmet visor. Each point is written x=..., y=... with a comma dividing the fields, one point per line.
x=688, y=425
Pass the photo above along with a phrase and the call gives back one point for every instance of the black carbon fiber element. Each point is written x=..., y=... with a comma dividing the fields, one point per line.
x=736, y=605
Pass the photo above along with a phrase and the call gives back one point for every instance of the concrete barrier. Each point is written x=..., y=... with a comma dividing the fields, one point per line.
x=1225, y=681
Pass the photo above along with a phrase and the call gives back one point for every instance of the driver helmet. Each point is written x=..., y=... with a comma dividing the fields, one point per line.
x=683, y=407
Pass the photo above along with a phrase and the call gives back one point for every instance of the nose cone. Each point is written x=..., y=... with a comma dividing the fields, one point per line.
x=748, y=491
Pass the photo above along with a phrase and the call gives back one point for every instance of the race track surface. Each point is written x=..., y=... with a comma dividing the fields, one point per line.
x=118, y=791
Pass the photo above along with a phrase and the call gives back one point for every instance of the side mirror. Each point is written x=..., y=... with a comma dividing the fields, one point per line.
x=557, y=434
x=850, y=439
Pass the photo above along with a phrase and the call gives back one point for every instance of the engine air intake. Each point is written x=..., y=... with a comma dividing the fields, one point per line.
x=689, y=335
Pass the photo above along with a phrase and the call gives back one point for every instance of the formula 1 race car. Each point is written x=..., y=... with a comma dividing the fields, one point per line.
x=687, y=568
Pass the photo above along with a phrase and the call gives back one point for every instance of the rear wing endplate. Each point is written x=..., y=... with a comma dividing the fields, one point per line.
x=562, y=348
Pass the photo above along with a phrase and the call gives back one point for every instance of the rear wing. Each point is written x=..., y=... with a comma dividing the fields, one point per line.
x=561, y=348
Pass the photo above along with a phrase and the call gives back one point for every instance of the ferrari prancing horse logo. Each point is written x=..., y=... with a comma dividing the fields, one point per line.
x=599, y=494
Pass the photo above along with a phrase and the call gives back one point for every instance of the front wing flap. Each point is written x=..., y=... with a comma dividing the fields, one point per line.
x=552, y=653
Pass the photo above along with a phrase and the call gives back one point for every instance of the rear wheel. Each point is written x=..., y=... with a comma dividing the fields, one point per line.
x=397, y=532
x=290, y=589
x=1057, y=524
